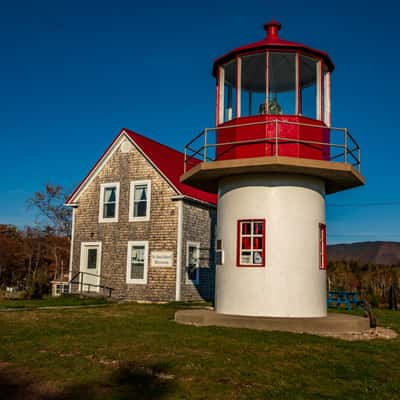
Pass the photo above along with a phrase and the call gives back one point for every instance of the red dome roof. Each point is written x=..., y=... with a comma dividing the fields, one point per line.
x=272, y=41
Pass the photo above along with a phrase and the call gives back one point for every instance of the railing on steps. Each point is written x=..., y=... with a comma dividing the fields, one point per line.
x=85, y=287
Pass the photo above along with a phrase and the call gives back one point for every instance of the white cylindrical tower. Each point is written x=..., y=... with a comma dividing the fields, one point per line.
x=272, y=158
x=270, y=228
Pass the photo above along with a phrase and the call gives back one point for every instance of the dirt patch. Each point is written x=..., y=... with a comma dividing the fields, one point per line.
x=368, y=334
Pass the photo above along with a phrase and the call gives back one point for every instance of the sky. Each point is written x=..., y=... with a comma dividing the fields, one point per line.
x=74, y=73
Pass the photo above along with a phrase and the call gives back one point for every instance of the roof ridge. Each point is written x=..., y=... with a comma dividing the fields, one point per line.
x=152, y=140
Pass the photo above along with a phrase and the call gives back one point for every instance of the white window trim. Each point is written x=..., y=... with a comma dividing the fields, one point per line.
x=132, y=218
x=145, y=244
x=103, y=186
x=197, y=280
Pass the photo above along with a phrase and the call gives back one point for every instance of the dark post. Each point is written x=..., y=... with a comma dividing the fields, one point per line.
x=369, y=313
x=392, y=298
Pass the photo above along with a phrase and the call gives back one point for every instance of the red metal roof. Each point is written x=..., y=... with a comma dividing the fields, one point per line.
x=166, y=159
x=272, y=41
x=170, y=162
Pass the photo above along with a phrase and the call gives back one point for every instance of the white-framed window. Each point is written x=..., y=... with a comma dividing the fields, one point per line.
x=61, y=289
x=137, y=262
x=193, y=262
x=109, y=202
x=139, y=200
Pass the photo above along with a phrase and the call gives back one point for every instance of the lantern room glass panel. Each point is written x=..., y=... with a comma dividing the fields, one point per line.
x=326, y=103
x=281, y=83
x=229, y=98
x=310, y=97
x=253, y=85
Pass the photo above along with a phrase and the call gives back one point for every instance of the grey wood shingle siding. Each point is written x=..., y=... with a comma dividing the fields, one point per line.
x=160, y=231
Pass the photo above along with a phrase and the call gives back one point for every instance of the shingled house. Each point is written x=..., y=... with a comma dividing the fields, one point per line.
x=138, y=230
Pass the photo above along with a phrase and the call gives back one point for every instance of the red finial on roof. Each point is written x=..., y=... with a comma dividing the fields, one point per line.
x=272, y=28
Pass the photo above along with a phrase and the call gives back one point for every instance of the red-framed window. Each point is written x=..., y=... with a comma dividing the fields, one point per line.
x=251, y=243
x=322, y=246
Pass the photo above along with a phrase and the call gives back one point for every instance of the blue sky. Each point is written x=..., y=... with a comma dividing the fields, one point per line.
x=74, y=73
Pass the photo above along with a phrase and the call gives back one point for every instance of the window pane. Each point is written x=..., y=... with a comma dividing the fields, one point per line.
x=257, y=257
x=140, y=192
x=257, y=243
x=137, y=262
x=109, y=210
x=308, y=80
x=246, y=242
x=193, y=256
x=253, y=90
x=258, y=228
x=245, y=257
x=192, y=272
x=193, y=263
x=109, y=195
x=230, y=91
x=92, y=258
x=246, y=228
x=282, y=83
x=140, y=209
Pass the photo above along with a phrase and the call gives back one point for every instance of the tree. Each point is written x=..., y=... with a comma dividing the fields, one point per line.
x=12, y=265
x=54, y=224
x=52, y=215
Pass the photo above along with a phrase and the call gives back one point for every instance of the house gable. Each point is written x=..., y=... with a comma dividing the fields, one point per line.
x=167, y=161
x=124, y=165
x=120, y=143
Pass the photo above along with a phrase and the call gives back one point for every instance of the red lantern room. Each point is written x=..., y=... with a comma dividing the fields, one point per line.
x=280, y=85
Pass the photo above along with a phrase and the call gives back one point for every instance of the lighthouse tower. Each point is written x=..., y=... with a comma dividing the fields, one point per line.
x=272, y=158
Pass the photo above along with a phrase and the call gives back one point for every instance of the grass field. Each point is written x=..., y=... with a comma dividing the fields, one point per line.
x=61, y=301
x=136, y=351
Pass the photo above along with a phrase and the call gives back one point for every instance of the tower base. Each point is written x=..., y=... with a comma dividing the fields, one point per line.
x=332, y=325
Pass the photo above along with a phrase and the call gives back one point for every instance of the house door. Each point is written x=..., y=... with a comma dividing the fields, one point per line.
x=90, y=267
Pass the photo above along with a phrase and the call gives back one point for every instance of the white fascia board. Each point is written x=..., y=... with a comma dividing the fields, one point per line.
x=194, y=200
x=99, y=167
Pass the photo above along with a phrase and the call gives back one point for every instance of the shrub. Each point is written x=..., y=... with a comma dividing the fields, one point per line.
x=38, y=285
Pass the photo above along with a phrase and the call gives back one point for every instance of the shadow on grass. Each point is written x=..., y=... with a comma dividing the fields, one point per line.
x=128, y=381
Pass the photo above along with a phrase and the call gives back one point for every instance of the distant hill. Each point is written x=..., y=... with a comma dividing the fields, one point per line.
x=383, y=253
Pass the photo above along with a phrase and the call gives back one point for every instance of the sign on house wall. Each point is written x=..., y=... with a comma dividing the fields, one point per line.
x=162, y=258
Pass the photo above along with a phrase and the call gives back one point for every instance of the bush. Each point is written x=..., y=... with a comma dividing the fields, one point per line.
x=38, y=285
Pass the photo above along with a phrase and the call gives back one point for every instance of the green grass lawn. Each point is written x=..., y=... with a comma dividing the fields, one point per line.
x=133, y=351
x=51, y=302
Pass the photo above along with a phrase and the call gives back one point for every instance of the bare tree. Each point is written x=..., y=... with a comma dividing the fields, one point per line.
x=51, y=212
x=54, y=222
